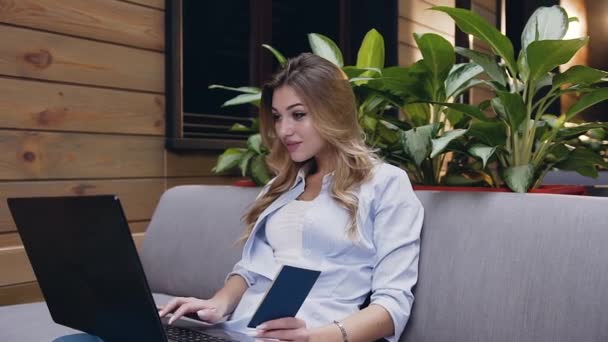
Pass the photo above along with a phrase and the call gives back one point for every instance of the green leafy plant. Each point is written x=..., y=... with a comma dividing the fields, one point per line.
x=419, y=140
x=525, y=139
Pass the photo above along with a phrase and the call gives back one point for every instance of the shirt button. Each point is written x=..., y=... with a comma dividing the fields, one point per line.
x=307, y=252
x=316, y=316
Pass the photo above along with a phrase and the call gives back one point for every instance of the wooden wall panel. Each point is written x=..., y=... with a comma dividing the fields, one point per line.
x=408, y=55
x=26, y=104
x=49, y=56
x=217, y=180
x=20, y=293
x=418, y=11
x=112, y=21
x=138, y=196
x=191, y=164
x=408, y=28
x=160, y=4
x=37, y=155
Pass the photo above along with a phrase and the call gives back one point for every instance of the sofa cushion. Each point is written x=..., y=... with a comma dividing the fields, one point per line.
x=190, y=244
x=511, y=267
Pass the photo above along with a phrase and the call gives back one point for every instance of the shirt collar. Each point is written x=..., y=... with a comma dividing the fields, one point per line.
x=305, y=170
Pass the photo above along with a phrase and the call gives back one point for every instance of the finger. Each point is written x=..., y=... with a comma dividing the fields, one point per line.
x=182, y=310
x=282, y=323
x=173, y=303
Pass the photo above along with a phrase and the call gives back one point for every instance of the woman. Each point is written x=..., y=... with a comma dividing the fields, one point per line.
x=334, y=207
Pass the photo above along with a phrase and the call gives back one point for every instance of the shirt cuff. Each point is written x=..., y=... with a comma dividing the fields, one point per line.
x=398, y=310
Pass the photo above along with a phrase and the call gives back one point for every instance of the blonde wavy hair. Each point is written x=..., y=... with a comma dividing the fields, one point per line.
x=330, y=100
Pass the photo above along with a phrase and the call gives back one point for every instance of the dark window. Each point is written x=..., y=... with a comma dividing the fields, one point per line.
x=219, y=42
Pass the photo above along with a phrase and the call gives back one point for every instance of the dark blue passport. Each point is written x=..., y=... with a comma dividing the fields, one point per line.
x=286, y=294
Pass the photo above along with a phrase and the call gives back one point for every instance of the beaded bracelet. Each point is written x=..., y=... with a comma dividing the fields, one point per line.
x=342, y=330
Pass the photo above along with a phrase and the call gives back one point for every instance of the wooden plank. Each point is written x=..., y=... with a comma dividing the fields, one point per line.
x=407, y=28
x=489, y=5
x=112, y=21
x=50, y=106
x=12, y=239
x=138, y=197
x=9, y=239
x=418, y=11
x=217, y=180
x=49, y=56
x=20, y=293
x=16, y=267
x=408, y=55
x=160, y=4
x=191, y=164
x=450, y=3
x=42, y=155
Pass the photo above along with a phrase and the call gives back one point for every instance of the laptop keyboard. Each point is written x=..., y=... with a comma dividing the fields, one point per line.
x=187, y=335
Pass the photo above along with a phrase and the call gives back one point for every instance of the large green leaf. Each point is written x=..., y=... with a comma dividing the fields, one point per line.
x=417, y=142
x=490, y=133
x=246, y=90
x=584, y=162
x=460, y=76
x=229, y=159
x=279, y=56
x=514, y=108
x=482, y=152
x=546, y=23
x=259, y=170
x=469, y=110
x=487, y=62
x=579, y=74
x=387, y=132
x=590, y=99
x=254, y=142
x=439, y=144
x=438, y=55
x=575, y=132
x=545, y=55
x=245, y=161
x=472, y=23
x=253, y=99
x=418, y=113
x=371, y=52
x=239, y=127
x=519, y=178
x=325, y=47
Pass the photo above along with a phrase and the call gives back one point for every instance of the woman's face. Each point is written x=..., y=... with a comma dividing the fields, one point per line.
x=293, y=125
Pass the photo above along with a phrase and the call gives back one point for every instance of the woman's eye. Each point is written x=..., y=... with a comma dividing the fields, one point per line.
x=276, y=117
x=299, y=115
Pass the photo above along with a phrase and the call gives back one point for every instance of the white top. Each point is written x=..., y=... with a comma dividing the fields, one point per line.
x=284, y=232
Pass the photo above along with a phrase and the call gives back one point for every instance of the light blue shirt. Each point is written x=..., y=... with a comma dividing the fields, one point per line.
x=382, y=260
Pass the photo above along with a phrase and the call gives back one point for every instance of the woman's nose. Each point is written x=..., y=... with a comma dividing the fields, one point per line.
x=285, y=128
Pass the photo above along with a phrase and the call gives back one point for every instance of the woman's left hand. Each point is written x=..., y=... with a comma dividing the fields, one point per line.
x=284, y=329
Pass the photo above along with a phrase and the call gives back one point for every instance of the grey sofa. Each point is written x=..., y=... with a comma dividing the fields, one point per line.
x=493, y=266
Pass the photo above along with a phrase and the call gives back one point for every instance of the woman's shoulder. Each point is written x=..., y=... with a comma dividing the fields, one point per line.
x=383, y=173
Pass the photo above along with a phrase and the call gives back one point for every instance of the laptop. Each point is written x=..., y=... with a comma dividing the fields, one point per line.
x=88, y=269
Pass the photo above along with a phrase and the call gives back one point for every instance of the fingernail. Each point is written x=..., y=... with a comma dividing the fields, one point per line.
x=171, y=320
x=261, y=327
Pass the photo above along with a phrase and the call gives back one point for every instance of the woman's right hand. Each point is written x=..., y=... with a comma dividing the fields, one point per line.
x=207, y=310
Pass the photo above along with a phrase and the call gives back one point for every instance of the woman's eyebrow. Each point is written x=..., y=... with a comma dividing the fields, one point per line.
x=290, y=106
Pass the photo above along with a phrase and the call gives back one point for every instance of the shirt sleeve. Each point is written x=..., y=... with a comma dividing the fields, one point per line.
x=241, y=270
x=397, y=226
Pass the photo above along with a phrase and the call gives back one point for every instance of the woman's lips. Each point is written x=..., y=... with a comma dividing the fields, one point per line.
x=292, y=146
